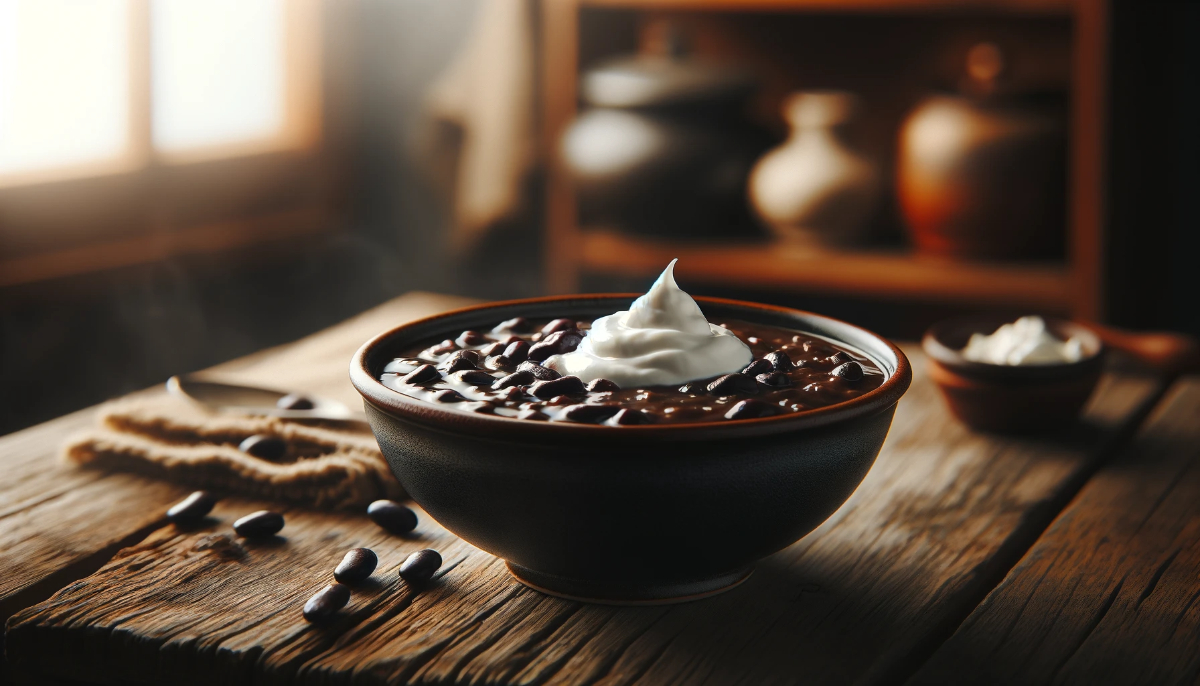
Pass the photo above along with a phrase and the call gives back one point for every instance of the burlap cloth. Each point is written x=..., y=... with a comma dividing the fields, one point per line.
x=327, y=465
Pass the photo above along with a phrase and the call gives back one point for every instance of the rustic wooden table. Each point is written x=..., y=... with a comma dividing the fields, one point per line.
x=962, y=558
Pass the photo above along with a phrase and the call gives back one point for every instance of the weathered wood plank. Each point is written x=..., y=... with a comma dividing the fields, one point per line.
x=1111, y=592
x=59, y=523
x=938, y=521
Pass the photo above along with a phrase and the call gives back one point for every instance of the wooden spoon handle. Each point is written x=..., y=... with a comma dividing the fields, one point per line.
x=1168, y=353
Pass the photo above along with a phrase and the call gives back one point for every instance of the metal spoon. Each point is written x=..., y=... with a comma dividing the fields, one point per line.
x=224, y=397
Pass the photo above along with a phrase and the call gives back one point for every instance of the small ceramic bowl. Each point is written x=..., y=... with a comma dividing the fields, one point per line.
x=1011, y=399
x=628, y=514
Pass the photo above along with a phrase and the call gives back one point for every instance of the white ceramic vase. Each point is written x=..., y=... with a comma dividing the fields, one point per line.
x=814, y=187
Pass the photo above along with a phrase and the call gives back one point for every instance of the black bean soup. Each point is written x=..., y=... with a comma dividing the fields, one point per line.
x=499, y=373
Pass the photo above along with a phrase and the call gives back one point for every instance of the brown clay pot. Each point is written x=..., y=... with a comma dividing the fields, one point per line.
x=982, y=174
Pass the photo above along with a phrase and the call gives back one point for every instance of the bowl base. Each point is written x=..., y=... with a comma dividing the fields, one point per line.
x=592, y=592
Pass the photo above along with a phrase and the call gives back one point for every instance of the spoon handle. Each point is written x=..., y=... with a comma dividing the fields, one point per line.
x=1168, y=353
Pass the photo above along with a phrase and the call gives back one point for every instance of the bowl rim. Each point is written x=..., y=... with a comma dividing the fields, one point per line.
x=400, y=406
x=943, y=352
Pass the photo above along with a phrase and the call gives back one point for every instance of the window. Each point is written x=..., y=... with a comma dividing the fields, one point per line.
x=64, y=84
x=135, y=115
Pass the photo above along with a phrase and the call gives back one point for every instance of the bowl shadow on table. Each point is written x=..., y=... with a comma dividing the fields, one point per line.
x=856, y=600
x=799, y=616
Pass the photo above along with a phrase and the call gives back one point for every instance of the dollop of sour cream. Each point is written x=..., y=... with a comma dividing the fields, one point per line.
x=1023, y=342
x=662, y=339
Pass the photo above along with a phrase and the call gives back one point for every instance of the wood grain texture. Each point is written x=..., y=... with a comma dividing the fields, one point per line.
x=59, y=523
x=1111, y=592
x=938, y=521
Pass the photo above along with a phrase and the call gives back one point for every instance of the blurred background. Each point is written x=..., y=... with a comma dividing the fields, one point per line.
x=186, y=181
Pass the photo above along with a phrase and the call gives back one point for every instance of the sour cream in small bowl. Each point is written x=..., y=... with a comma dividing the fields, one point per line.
x=1010, y=376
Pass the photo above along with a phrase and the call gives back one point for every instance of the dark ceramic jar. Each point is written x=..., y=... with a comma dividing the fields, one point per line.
x=662, y=148
x=631, y=513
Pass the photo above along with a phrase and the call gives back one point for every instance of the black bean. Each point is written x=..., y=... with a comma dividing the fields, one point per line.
x=628, y=417
x=750, y=409
x=447, y=395
x=491, y=349
x=391, y=516
x=294, y=401
x=850, y=371
x=356, y=566
x=479, y=407
x=558, y=325
x=564, y=385
x=510, y=394
x=541, y=351
x=539, y=372
x=469, y=338
x=420, y=566
x=532, y=413
x=266, y=447
x=840, y=357
x=326, y=602
x=602, y=386
x=591, y=413
x=566, y=341
x=459, y=361
x=516, y=325
x=780, y=361
x=518, y=378
x=497, y=362
x=259, y=524
x=692, y=387
x=757, y=367
x=776, y=379
x=557, y=343
x=473, y=377
x=423, y=374
x=561, y=400
x=446, y=346
x=192, y=508
x=733, y=383
x=516, y=352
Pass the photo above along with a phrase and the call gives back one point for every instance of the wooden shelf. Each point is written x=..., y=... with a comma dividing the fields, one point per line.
x=1044, y=7
x=1073, y=287
x=893, y=275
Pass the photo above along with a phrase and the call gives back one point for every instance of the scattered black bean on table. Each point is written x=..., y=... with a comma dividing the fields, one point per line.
x=262, y=446
x=502, y=372
x=420, y=566
x=326, y=602
x=356, y=566
x=392, y=517
x=192, y=508
x=261, y=524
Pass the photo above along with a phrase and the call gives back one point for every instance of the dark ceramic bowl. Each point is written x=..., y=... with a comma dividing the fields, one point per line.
x=631, y=513
x=1011, y=399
